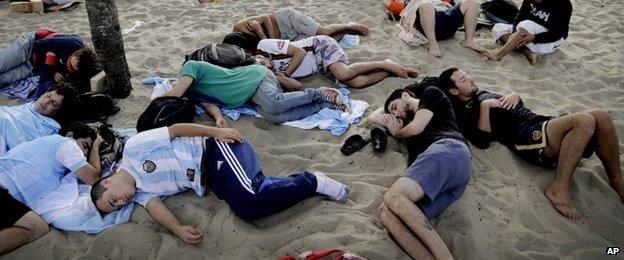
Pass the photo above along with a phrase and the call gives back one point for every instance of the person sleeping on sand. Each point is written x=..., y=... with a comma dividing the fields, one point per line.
x=436, y=178
x=289, y=24
x=19, y=124
x=324, y=55
x=34, y=169
x=64, y=57
x=169, y=160
x=212, y=87
x=540, y=27
x=547, y=141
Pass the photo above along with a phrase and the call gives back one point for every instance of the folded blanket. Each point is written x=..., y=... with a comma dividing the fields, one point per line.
x=335, y=121
x=70, y=207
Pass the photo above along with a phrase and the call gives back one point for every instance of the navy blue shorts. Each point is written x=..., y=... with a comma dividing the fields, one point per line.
x=446, y=22
x=443, y=172
x=12, y=209
x=532, y=140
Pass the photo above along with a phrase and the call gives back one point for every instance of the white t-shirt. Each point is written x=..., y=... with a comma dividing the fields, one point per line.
x=278, y=49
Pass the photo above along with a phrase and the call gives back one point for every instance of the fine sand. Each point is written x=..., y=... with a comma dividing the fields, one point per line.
x=502, y=215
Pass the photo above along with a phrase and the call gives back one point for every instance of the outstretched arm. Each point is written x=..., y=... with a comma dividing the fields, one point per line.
x=213, y=111
x=288, y=83
x=162, y=215
x=228, y=135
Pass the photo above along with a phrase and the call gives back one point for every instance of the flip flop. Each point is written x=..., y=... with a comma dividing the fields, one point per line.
x=353, y=144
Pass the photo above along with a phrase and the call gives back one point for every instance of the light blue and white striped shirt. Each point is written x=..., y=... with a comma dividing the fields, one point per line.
x=162, y=166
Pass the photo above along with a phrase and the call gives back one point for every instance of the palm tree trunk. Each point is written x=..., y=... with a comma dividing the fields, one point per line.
x=108, y=43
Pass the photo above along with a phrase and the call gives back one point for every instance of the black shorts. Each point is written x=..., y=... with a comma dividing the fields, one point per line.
x=446, y=22
x=533, y=136
x=12, y=209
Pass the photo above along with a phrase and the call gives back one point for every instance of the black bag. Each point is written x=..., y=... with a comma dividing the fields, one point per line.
x=222, y=54
x=500, y=11
x=94, y=106
x=166, y=111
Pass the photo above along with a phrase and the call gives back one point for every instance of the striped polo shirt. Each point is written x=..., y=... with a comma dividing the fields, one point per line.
x=162, y=166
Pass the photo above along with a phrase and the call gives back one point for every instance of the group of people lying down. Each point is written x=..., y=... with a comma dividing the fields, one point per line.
x=40, y=145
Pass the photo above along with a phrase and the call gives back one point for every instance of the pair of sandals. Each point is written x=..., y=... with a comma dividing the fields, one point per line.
x=378, y=136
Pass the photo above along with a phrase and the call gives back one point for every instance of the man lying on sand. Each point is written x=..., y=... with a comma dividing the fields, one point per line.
x=539, y=29
x=65, y=57
x=19, y=124
x=213, y=87
x=439, y=20
x=323, y=54
x=34, y=169
x=437, y=177
x=545, y=141
x=287, y=23
x=170, y=160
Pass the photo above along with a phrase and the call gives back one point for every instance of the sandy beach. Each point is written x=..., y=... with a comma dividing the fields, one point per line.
x=502, y=215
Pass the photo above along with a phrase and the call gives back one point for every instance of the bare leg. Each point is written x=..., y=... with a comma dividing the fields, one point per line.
x=510, y=45
x=470, y=10
x=427, y=21
x=28, y=228
x=400, y=200
x=404, y=237
x=567, y=138
x=335, y=29
x=344, y=72
x=532, y=57
x=366, y=80
x=607, y=149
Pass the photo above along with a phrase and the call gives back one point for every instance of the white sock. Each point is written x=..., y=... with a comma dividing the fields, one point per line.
x=330, y=187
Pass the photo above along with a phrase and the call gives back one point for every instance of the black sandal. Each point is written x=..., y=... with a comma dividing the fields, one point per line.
x=353, y=144
x=379, y=134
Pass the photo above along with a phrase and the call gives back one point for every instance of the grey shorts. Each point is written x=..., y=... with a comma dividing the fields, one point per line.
x=443, y=172
x=293, y=25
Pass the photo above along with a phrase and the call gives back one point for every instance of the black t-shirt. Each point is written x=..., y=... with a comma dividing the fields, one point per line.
x=506, y=125
x=552, y=14
x=63, y=45
x=442, y=124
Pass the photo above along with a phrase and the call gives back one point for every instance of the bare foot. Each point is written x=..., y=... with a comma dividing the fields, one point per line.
x=434, y=50
x=473, y=46
x=395, y=68
x=490, y=55
x=562, y=201
x=532, y=57
x=359, y=28
x=412, y=73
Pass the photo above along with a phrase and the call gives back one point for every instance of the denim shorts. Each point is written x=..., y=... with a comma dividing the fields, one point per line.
x=443, y=172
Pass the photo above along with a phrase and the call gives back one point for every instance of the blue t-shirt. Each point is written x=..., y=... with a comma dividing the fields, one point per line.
x=162, y=166
x=33, y=169
x=19, y=124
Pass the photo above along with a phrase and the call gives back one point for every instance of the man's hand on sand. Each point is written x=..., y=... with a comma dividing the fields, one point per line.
x=228, y=135
x=221, y=123
x=188, y=234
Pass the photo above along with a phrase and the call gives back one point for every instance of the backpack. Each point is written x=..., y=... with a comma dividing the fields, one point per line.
x=221, y=54
x=500, y=11
x=95, y=106
x=166, y=111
